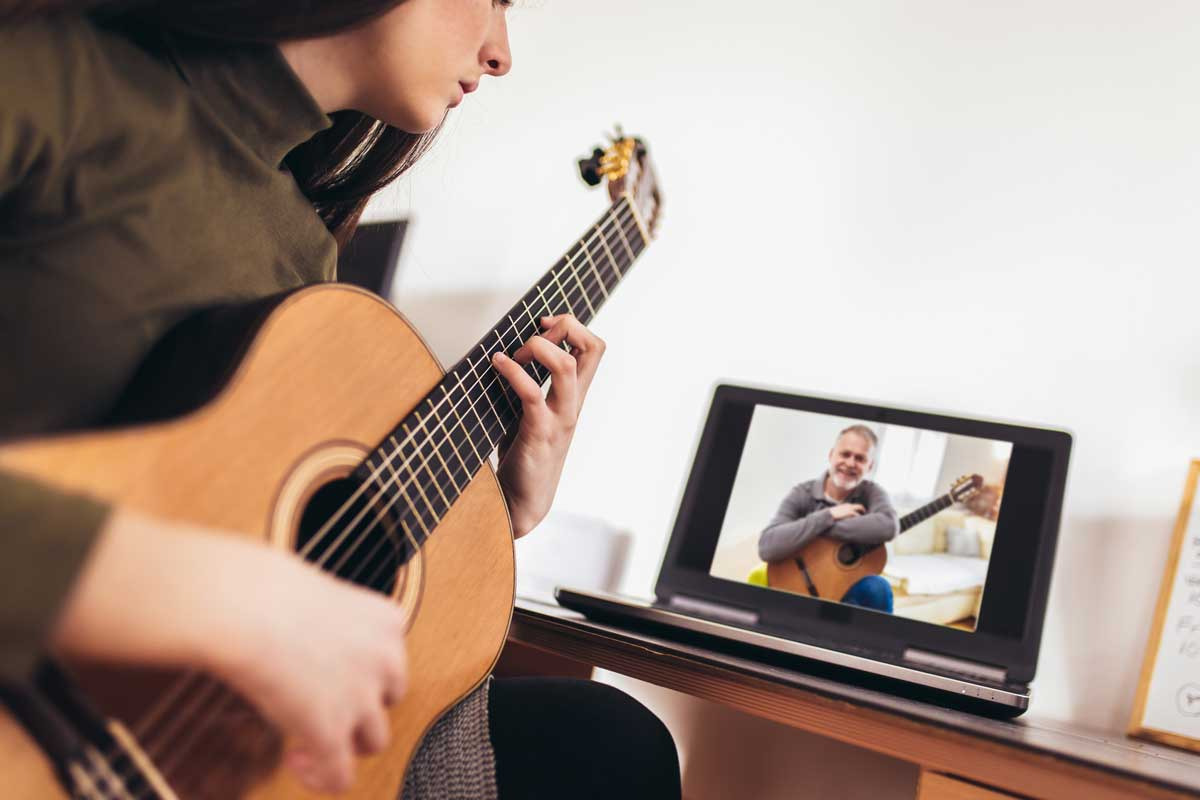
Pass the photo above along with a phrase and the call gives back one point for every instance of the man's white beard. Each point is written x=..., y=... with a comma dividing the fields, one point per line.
x=842, y=482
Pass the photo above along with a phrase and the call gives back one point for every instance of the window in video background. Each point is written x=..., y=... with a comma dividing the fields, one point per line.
x=945, y=488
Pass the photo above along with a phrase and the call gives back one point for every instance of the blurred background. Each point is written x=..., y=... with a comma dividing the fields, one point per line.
x=986, y=209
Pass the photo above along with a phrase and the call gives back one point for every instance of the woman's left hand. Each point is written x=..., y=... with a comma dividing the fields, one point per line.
x=532, y=463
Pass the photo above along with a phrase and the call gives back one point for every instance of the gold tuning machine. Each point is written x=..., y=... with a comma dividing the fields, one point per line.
x=612, y=163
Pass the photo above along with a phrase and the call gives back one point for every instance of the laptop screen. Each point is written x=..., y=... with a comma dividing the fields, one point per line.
x=882, y=516
x=872, y=526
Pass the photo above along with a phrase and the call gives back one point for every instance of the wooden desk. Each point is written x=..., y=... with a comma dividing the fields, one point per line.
x=960, y=755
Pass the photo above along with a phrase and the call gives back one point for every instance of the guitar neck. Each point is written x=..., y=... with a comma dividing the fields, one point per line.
x=923, y=513
x=431, y=456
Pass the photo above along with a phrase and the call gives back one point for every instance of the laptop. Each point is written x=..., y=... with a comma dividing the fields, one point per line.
x=888, y=547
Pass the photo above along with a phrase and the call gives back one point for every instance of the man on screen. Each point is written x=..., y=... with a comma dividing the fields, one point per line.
x=840, y=504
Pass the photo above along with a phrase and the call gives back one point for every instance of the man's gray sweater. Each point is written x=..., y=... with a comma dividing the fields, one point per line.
x=804, y=515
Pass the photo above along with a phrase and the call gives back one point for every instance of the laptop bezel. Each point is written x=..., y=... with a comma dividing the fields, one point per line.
x=889, y=636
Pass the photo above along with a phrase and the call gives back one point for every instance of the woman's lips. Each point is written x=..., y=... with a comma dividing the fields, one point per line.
x=464, y=89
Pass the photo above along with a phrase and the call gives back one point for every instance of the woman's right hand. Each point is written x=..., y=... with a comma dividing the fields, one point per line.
x=320, y=658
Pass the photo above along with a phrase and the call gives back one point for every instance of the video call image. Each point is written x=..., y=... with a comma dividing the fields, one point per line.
x=885, y=517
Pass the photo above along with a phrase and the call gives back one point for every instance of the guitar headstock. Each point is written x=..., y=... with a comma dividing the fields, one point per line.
x=965, y=486
x=627, y=167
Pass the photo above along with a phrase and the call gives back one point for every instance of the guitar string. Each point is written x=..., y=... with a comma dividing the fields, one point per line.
x=179, y=748
x=617, y=215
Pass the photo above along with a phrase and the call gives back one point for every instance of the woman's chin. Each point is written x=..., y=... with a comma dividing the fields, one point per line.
x=416, y=123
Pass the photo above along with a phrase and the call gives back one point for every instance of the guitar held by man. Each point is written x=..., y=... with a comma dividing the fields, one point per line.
x=827, y=538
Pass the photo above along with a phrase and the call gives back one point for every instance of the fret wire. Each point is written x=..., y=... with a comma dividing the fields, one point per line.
x=529, y=313
x=424, y=462
x=625, y=241
x=532, y=319
x=503, y=391
x=613, y=264
x=471, y=402
x=612, y=259
x=566, y=302
x=466, y=434
x=447, y=450
x=597, y=299
x=437, y=452
x=620, y=228
x=402, y=486
x=583, y=291
x=520, y=337
x=482, y=390
x=533, y=369
x=451, y=429
x=545, y=302
x=426, y=459
x=516, y=329
x=599, y=234
x=381, y=514
x=592, y=264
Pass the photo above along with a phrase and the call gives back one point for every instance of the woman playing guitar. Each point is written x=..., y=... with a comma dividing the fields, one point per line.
x=161, y=157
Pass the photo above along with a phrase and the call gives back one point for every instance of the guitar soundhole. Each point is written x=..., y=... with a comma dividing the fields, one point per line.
x=357, y=539
x=848, y=554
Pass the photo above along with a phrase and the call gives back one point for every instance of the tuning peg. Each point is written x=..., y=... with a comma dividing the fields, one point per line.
x=618, y=135
x=590, y=168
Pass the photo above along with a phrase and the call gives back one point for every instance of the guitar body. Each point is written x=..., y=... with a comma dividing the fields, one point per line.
x=322, y=382
x=833, y=566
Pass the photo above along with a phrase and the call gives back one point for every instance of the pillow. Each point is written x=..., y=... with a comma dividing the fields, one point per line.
x=941, y=521
x=962, y=542
x=985, y=529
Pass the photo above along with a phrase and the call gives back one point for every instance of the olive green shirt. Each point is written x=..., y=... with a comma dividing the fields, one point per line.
x=138, y=182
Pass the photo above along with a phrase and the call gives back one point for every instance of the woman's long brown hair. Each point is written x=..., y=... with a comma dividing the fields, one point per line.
x=338, y=169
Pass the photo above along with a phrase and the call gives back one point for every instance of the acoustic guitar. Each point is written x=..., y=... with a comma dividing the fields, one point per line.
x=332, y=432
x=827, y=567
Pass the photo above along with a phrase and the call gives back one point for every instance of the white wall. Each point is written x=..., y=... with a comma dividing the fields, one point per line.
x=1012, y=189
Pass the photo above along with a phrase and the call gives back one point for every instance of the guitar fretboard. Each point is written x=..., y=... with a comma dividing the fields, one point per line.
x=424, y=465
x=923, y=513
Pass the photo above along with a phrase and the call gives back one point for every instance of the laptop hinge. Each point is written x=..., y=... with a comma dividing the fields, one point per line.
x=959, y=665
x=704, y=608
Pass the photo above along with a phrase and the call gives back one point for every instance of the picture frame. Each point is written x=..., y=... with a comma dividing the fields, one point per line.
x=1167, y=704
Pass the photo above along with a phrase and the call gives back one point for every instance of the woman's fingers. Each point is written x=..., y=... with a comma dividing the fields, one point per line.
x=586, y=347
x=526, y=387
x=324, y=765
x=564, y=393
x=373, y=732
